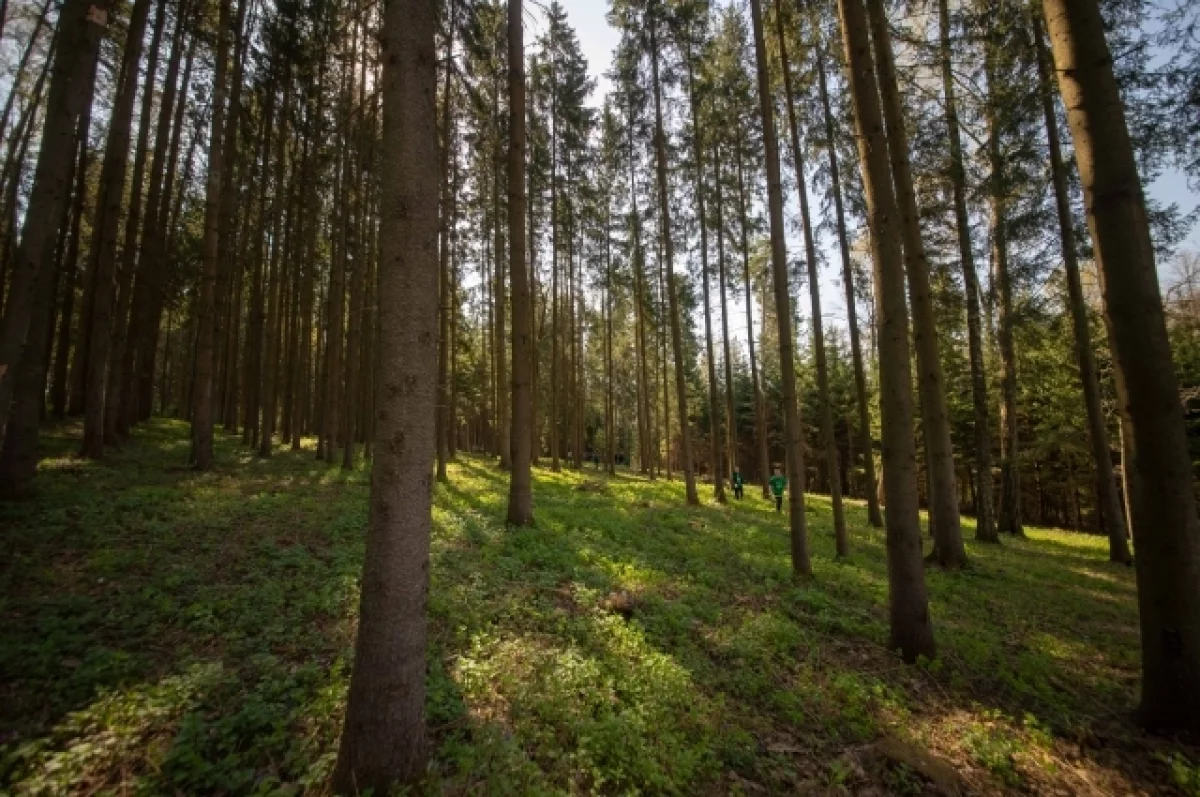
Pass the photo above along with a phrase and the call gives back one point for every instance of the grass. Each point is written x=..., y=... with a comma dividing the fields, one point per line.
x=169, y=632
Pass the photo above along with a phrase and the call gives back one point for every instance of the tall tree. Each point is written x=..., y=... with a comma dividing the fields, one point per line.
x=520, y=493
x=117, y=419
x=80, y=28
x=688, y=38
x=874, y=516
x=383, y=740
x=911, y=625
x=668, y=243
x=1162, y=500
x=1106, y=482
x=841, y=538
x=985, y=525
x=105, y=230
x=948, y=550
x=444, y=413
x=1009, y=515
x=202, y=391
x=793, y=435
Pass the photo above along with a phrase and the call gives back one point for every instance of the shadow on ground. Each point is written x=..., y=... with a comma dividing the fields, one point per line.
x=165, y=631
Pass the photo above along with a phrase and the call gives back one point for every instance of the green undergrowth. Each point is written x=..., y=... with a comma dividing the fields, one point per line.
x=166, y=632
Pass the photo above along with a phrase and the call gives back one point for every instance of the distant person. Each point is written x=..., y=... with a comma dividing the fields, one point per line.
x=778, y=484
x=739, y=483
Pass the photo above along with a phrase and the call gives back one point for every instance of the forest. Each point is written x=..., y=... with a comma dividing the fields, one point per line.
x=804, y=400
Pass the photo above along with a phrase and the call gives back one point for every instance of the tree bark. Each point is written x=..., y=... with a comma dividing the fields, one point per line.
x=274, y=288
x=985, y=525
x=60, y=384
x=256, y=321
x=224, y=315
x=760, y=407
x=202, y=392
x=1114, y=519
x=841, y=538
x=645, y=461
x=874, y=515
x=610, y=427
x=444, y=309
x=718, y=476
x=685, y=438
x=1009, y=516
x=520, y=491
x=81, y=24
x=147, y=309
x=383, y=740
x=555, y=331
x=731, y=435
x=911, y=626
x=1163, y=504
x=793, y=434
x=948, y=550
x=116, y=420
x=19, y=454
x=104, y=234
x=499, y=296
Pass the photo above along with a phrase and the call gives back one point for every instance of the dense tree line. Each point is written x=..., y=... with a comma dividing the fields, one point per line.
x=410, y=228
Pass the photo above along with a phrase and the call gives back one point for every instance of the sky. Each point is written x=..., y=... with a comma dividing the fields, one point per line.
x=598, y=40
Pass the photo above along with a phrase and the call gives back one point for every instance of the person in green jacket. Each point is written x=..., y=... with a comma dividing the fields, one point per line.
x=739, y=483
x=778, y=484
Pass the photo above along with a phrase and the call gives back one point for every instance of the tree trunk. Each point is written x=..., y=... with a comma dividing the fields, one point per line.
x=271, y=345
x=1163, y=504
x=610, y=430
x=448, y=143
x=714, y=424
x=948, y=550
x=841, y=538
x=520, y=491
x=354, y=322
x=103, y=253
x=147, y=310
x=645, y=463
x=60, y=384
x=81, y=24
x=554, y=327
x=1009, y=516
x=19, y=454
x=760, y=407
x=256, y=322
x=911, y=626
x=874, y=515
x=383, y=741
x=202, y=393
x=500, y=356
x=223, y=315
x=116, y=420
x=453, y=274
x=985, y=526
x=685, y=438
x=534, y=325
x=731, y=436
x=1118, y=542
x=793, y=434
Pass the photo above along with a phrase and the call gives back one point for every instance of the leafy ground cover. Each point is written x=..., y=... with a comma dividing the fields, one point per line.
x=169, y=632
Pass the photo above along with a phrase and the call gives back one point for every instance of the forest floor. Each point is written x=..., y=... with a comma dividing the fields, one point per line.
x=169, y=632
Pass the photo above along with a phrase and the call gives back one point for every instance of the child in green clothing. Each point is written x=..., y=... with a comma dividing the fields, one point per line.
x=739, y=483
x=778, y=484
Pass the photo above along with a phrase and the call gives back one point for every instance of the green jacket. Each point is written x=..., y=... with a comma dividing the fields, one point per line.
x=778, y=485
x=738, y=480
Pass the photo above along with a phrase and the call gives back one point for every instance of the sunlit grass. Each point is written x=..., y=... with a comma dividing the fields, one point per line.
x=164, y=631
